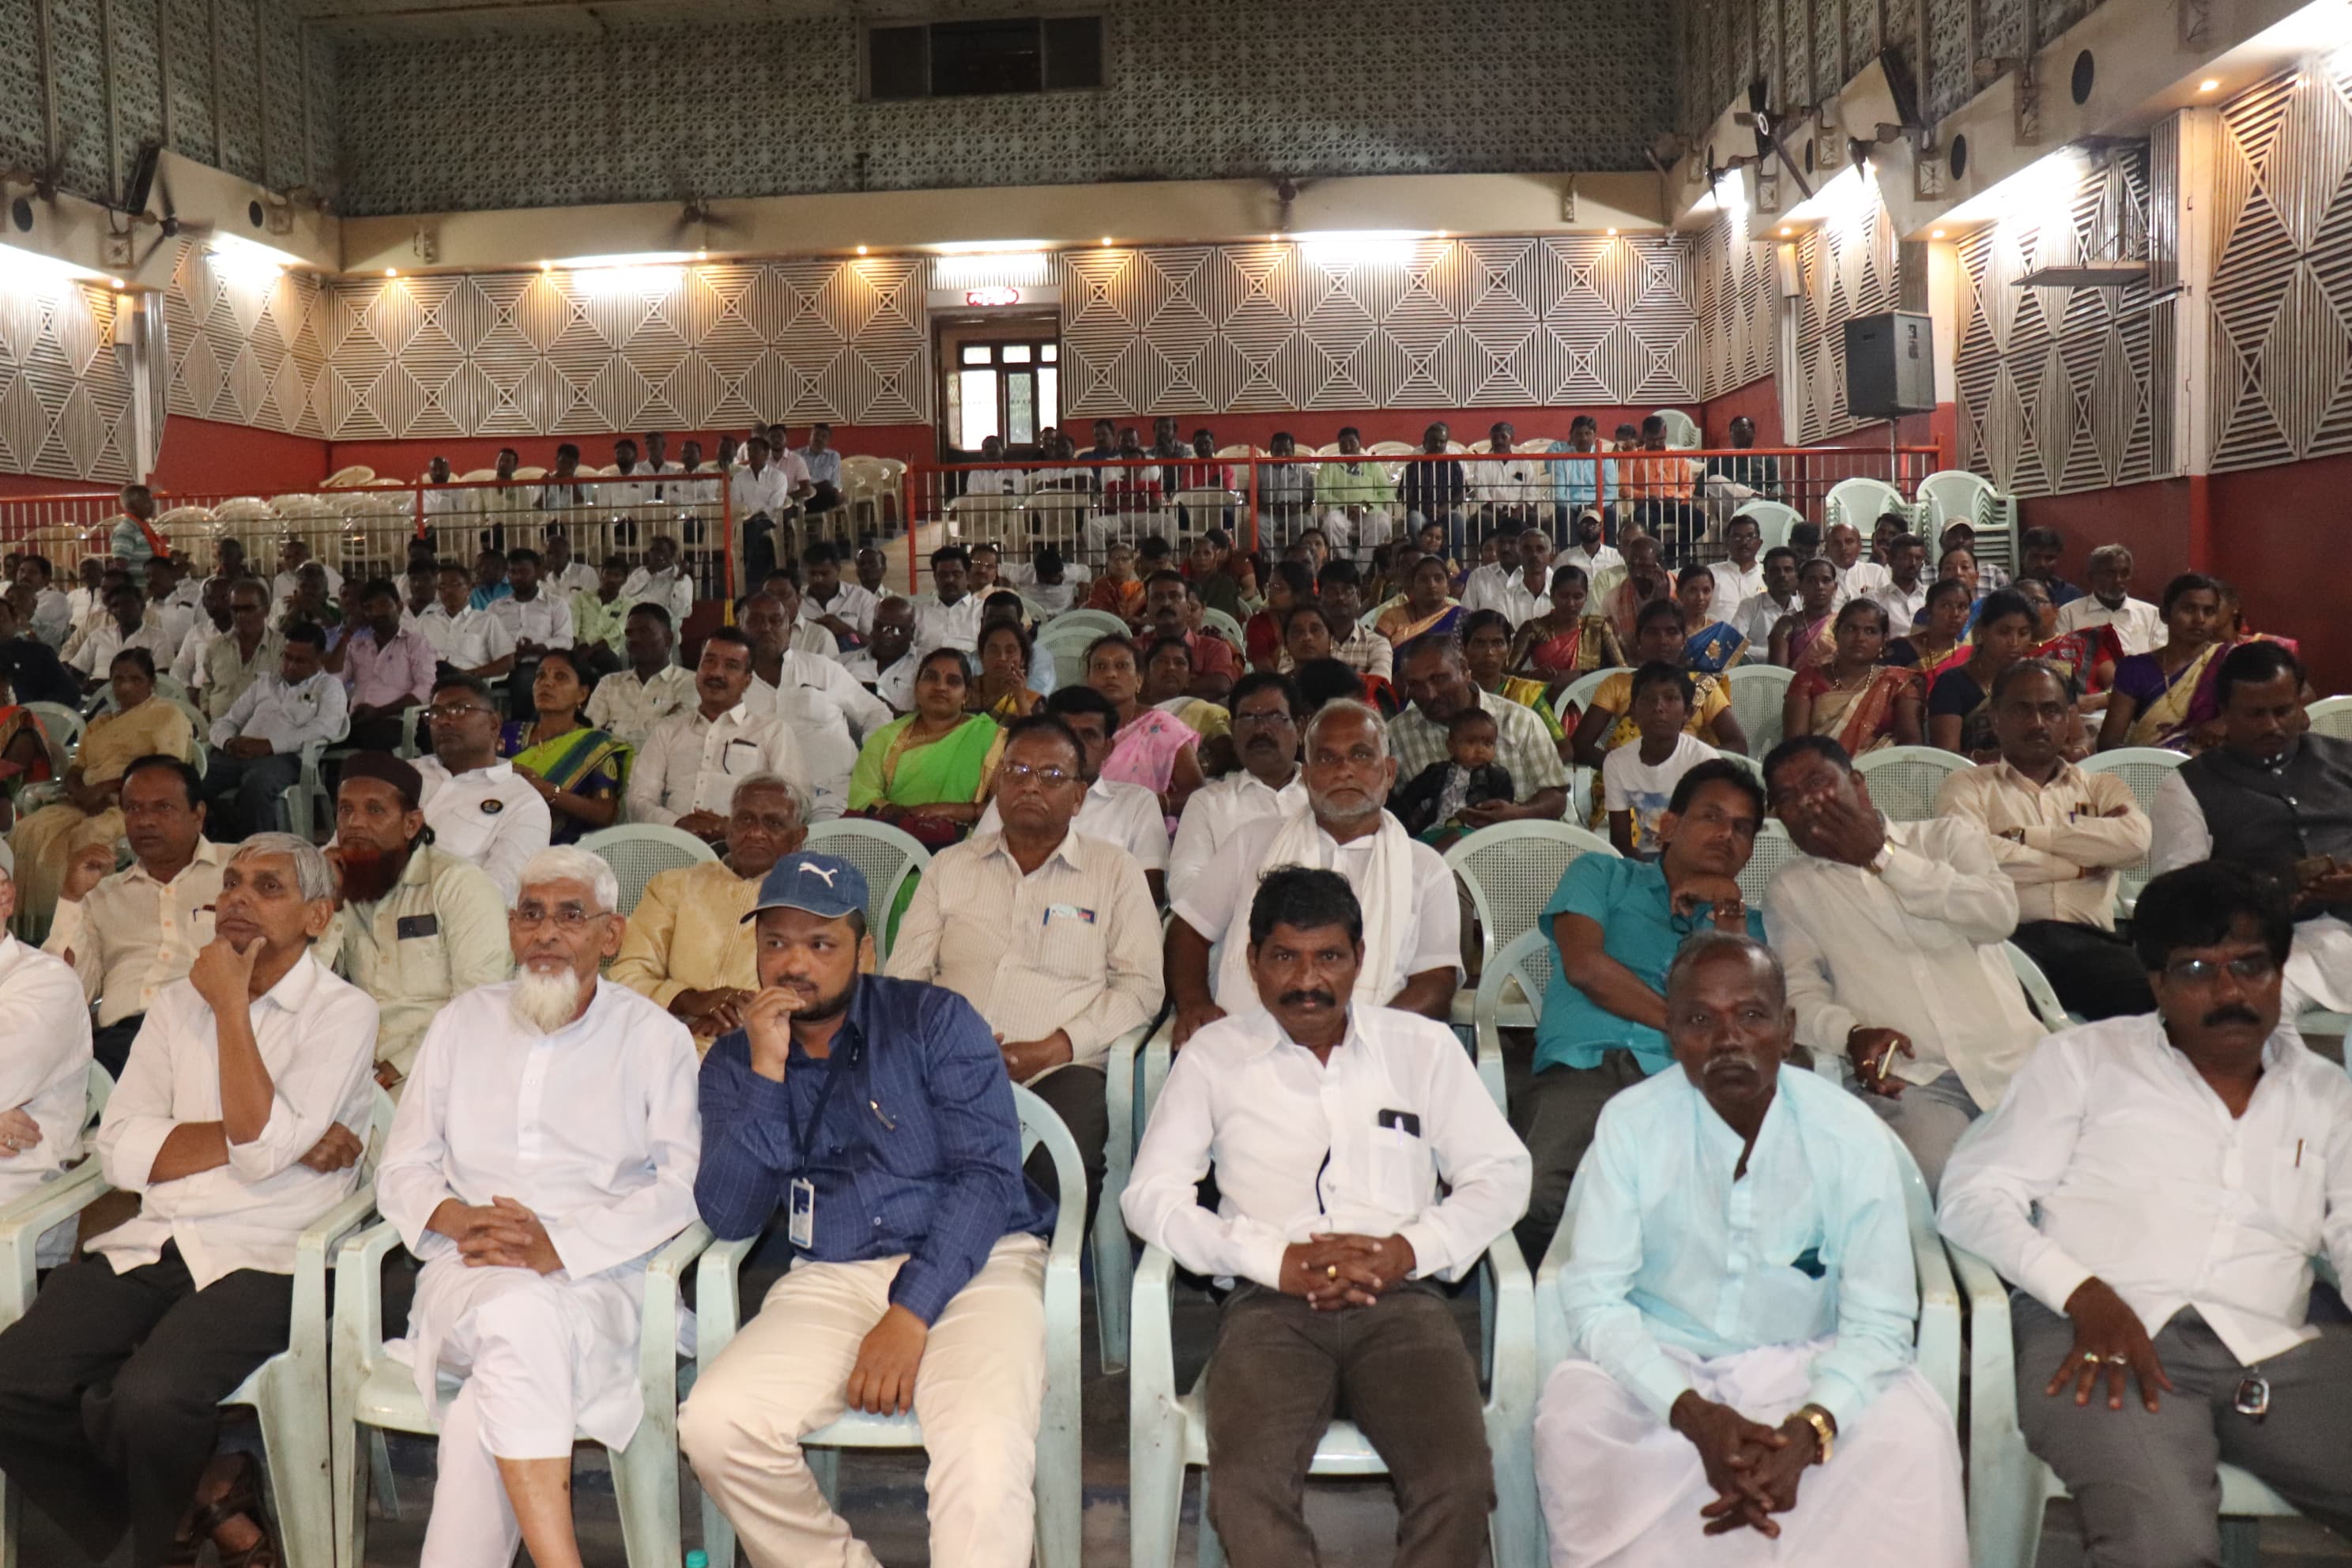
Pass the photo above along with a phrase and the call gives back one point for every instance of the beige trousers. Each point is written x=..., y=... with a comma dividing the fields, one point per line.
x=978, y=1393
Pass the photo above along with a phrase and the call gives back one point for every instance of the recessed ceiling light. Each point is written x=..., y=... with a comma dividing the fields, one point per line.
x=861, y=250
x=2209, y=84
x=1613, y=231
x=702, y=256
x=1105, y=239
x=392, y=272
x=1935, y=234
x=116, y=283
x=1786, y=232
x=1441, y=234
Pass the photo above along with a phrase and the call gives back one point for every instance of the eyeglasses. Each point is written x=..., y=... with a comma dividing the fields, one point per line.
x=1274, y=719
x=567, y=917
x=451, y=712
x=2246, y=969
x=1021, y=773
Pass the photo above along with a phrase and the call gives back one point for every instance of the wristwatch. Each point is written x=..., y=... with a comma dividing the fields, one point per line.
x=1824, y=1428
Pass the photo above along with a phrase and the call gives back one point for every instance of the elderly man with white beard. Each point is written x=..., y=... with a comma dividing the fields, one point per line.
x=546, y=1147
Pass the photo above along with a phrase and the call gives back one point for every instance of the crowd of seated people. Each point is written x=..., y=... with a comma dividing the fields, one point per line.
x=1713, y=1126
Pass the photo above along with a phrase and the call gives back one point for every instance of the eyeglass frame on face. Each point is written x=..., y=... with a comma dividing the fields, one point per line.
x=2246, y=969
x=1269, y=719
x=444, y=713
x=561, y=916
x=1050, y=777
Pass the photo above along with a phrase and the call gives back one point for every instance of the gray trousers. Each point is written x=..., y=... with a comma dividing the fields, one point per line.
x=1557, y=1115
x=2146, y=1484
x=1929, y=1117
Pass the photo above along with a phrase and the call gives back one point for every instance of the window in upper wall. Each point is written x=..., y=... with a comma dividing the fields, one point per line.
x=963, y=59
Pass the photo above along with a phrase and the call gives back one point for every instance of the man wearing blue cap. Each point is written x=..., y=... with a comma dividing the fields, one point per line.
x=876, y=1115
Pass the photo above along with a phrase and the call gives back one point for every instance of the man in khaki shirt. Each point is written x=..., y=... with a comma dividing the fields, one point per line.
x=2062, y=835
x=686, y=946
x=416, y=926
x=1050, y=934
x=130, y=933
x=248, y=649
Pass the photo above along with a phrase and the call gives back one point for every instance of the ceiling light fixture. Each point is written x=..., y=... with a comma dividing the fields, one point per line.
x=392, y=272
x=861, y=250
x=1935, y=234
x=2210, y=84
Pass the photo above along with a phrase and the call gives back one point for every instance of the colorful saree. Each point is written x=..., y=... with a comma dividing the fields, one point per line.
x=586, y=762
x=897, y=769
x=2170, y=710
x=1861, y=720
x=1714, y=649
x=1591, y=646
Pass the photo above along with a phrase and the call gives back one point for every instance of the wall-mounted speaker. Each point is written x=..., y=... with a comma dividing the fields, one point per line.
x=1890, y=365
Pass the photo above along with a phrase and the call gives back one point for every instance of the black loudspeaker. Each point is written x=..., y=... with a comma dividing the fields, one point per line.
x=1890, y=365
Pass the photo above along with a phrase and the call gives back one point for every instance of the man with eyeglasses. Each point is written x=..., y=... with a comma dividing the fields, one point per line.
x=1265, y=709
x=2157, y=1188
x=1112, y=810
x=534, y=1265
x=478, y=808
x=1049, y=932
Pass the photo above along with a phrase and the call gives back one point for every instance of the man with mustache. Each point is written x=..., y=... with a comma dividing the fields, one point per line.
x=1112, y=810
x=686, y=772
x=1892, y=934
x=876, y=1115
x=417, y=925
x=1330, y=1123
x=1265, y=709
x=2276, y=798
x=1740, y=1277
x=238, y=1123
x=2157, y=1188
x=535, y=1266
x=1411, y=916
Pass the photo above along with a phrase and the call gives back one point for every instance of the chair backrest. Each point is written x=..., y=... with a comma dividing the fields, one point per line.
x=101, y=1089
x=196, y=721
x=1757, y=693
x=1511, y=871
x=641, y=850
x=2039, y=992
x=1578, y=695
x=1904, y=780
x=1952, y=495
x=1225, y=625
x=2143, y=768
x=1532, y=960
x=2331, y=716
x=7, y=859
x=1859, y=503
x=1039, y=1125
x=1068, y=645
x=1774, y=849
x=1681, y=430
x=1094, y=623
x=1773, y=519
x=63, y=727
x=888, y=857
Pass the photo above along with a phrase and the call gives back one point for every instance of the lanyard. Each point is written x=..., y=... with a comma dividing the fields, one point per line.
x=834, y=1066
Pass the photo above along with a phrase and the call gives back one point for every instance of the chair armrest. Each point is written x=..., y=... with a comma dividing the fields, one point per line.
x=1551, y=1316
x=1992, y=1348
x=1151, y=1350
x=716, y=1314
x=23, y=1223
x=1514, y=1372
x=1158, y=1055
x=1119, y=1100
x=359, y=1304
x=314, y=1254
x=1938, y=1351
x=658, y=1332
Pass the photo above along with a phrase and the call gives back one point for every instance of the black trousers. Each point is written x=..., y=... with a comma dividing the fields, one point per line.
x=111, y=1044
x=248, y=793
x=111, y=1388
x=1076, y=1093
x=2096, y=973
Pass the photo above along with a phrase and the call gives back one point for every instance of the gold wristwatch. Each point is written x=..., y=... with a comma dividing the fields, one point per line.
x=1824, y=1428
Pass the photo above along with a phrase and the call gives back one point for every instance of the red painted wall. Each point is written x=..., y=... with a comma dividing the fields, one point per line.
x=203, y=458
x=1758, y=400
x=2274, y=536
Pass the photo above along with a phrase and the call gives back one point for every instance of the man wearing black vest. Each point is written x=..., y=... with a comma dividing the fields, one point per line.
x=2277, y=799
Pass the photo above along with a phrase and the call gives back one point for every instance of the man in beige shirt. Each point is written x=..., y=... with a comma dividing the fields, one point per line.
x=2062, y=835
x=130, y=933
x=1049, y=933
x=250, y=648
x=686, y=946
x=416, y=925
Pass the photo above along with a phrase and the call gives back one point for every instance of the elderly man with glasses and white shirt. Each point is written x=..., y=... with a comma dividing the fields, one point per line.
x=1266, y=711
x=547, y=1146
x=2157, y=1188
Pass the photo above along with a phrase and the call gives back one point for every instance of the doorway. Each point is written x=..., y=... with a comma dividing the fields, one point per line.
x=998, y=377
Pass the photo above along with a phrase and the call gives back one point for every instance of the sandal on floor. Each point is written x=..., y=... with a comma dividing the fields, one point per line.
x=242, y=1498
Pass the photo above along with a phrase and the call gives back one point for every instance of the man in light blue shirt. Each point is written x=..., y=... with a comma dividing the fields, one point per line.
x=1580, y=483
x=1739, y=1276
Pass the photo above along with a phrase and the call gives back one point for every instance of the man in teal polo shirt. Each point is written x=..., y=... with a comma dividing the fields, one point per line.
x=1617, y=925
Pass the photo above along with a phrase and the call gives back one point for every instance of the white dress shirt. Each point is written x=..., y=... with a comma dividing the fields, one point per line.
x=830, y=716
x=851, y=603
x=282, y=587
x=769, y=492
x=2074, y=834
x=316, y=1039
x=577, y=577
x=691, y=763
x=2140, y=625
x=894, y=685
x=53, y=616
x=468, y=639
x=1303, y=1148
x=996, y=482
x=1734, y=586
x=2112, y=1157
x=1863, y=579
x=1592, y=563
x=631, y=710
x=1913, y=944
x=132, y=935
x=187, y=666
x=1511, y=478
x=491, y=817
x=546, y=619
x=670, y=588
x=105, y=639
x=45, y=1071
x=1215, y=812
x=1758, y=614
x=288, y=716
x=946, y=626
x=1508, y=592
x=1903, y=606
x=1117, y=812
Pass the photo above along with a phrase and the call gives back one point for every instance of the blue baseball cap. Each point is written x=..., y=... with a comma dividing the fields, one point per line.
x=827, y=886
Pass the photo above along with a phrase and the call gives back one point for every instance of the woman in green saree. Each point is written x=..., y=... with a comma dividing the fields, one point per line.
x=579, y=770
x=928, y=773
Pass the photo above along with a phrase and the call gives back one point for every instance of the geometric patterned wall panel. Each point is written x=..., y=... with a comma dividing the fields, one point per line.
x=1735, y=333
x=1847, y=268
x=554, y=353
x=247, y=344
x=2282, y=354
x=65, y=398
x=1570, y=319
x=771, y=104
x=1806, y=50
x=2053, y=382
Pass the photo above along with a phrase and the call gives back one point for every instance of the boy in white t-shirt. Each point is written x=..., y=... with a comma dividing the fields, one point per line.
x=1637, y=780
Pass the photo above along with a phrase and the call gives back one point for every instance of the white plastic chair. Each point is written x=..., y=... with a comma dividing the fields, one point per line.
x=2143, y=768
x=1904, y=780
x=1068, y=644
x=63, y=727
x=2330, y=716
x=1860, y=502
x=638, y=852
x=1773, y=519
x=885, y=854
x=1530, y=962
x=2007, y=1486
x=1949, y=496
x=982, y=520
x=2039, y=994
x=1059, y=1484
x=372, y=1389
x=1773, y=849
x=1225, y=627
x=1095, y=623
x=1511, y=871
x=1577, y=695
x=1112, y=1249
x=1683, y=433
x=1758, y=693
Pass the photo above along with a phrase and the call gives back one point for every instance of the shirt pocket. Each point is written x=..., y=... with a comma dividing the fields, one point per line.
x=1070, y=946
x=1403, y=1177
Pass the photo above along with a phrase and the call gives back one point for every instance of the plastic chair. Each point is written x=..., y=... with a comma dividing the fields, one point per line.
x=1511, y=871
x=1773, y=519
x=1683, y=433
x=1094, y=623
x=888, y=857
x=2143, y=768
x=372, y=1389
x=638, y=852
x=1859, y=503
x=1225, y=627
x=1773, y=849
x=1577, y=696
x=1060, y=1495
x=2007, y=1486
x=1112, y=1249
x=1068, y=645
x=1904, y=780
x=63, y=727
x=2330, y=716
x=1950, y=496
x=309, y=786
x=2039, y=994
x=1531, y=962
x=1757, y=692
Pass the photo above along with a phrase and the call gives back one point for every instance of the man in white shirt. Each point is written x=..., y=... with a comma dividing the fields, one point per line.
x=1413, y=917
x=256, y=745
x=534, y=1270
x=684, y=777
x=165, y=609
x=476, y=806
x=2156, y=1189
x=212, y=620
x=1588, y=553
x=466, y=641
x=1330, y=1123
x=1740, y=1302
x=130, y=933
x=995, y=481
x=829, y=714
x=631, y=703
x=52, y=616
x=1741, y=577
x=2140, y=625
x=439, y=500
x=1521, y=589
x=1266, y=738
x=1905, y=593
x=1114, y=811
x=535, y=618
x=800, y=633
x=127, y=625
x=886, y=666
x=560, y=573
x=45, y=1072
x=1050, y=932
x=1858, y=578
x=238, y=1123
x=949, y=616
x=1506, y=486
x=844, y=610
x=1892, y=934
x=292, y=556
x=761, y=489
x=1758, y=614
x=662, y=580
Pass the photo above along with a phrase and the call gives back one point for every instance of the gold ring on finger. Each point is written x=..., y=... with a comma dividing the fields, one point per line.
x=2092, y=1358
x=1330, y=1271
x=2119, y=1360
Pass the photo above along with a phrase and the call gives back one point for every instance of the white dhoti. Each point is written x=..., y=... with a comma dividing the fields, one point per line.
x=1622, y=1488
x=2318, y=967
x=540, y=1357
x=978, y=1393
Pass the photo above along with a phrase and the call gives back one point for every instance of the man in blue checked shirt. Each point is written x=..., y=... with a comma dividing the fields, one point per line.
x=876, y=1117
